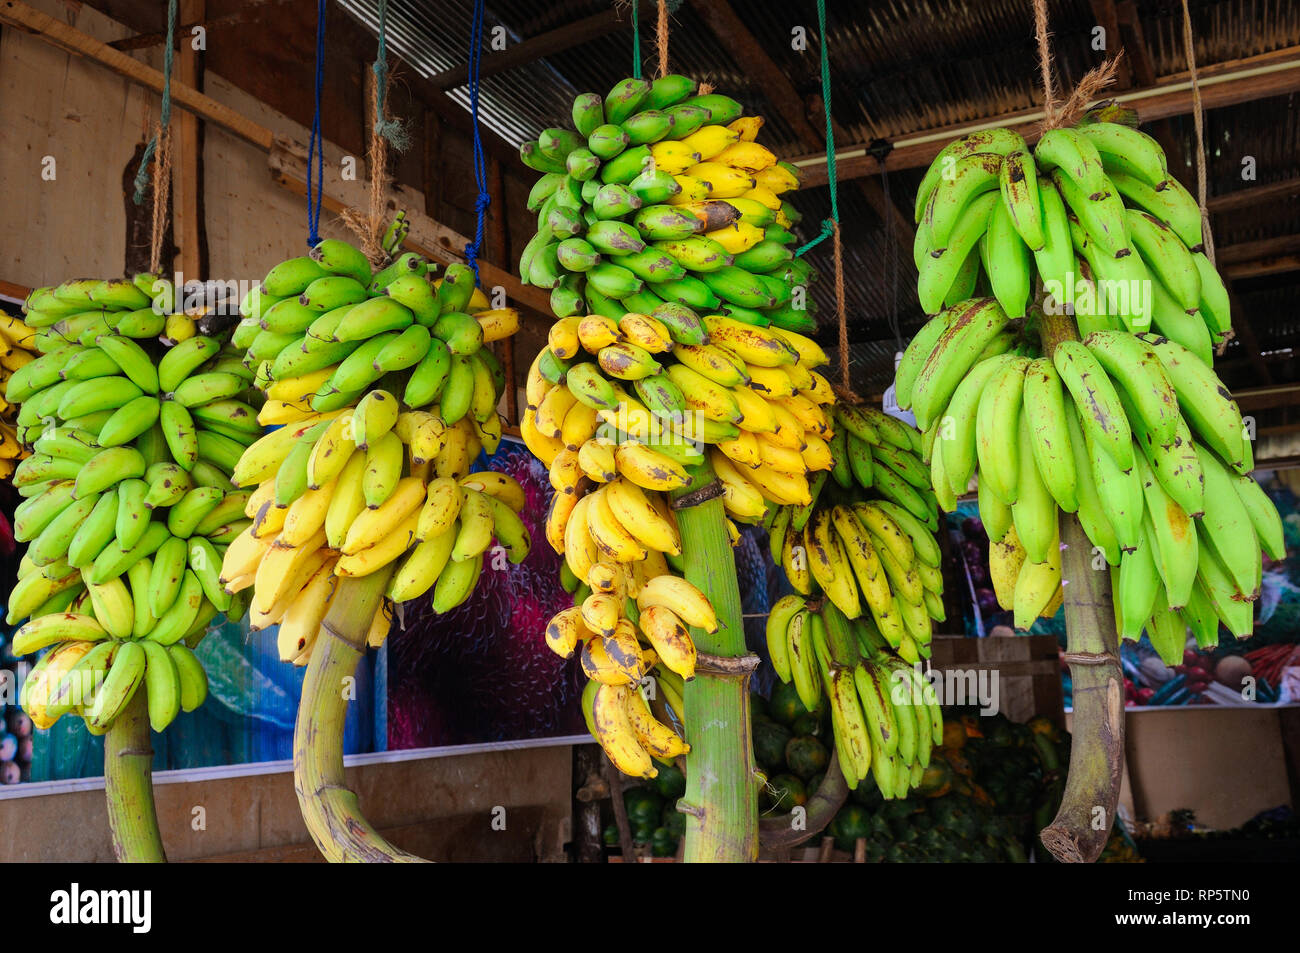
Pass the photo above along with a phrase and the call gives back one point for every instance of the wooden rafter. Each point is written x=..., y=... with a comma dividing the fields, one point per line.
x=744, y=48
x=543, y=45
x=1279, y=265
x=19, y=15
x=249, y=10
x=1261, y=250
x=1108, y=20
x=1223, y=84
x=1239, y=199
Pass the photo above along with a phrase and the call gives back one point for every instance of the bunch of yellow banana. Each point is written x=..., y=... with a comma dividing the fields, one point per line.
x=351, y=492
x=17, y=347
x=1092, y=213
x=128, y=506
x=385, y=396
x=636, y=724
x=1133, y=432
x=865, y=538
x=662, y=196
x=630, y=612
x=322, y=330
x=647, y=407
x=884, y=712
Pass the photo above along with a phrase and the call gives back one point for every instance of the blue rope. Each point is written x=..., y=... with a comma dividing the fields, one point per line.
x=391, y=129
x=165, y=116
x=828, y=226
x=480, y=164
x=316, y=147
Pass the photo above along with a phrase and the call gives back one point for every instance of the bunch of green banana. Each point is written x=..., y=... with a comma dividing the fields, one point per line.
x=128, y=505
x=663, y=196
x=350, y=492
x=141, y=307
x=323, y=330
x=1133, y=432
x=1091, y=213
x=884, y=712
x=866, y=537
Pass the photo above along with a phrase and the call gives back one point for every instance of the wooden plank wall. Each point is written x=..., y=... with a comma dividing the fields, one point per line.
x=91, y=121
x=52, y=104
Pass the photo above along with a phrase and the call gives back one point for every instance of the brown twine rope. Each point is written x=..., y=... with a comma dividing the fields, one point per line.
x=1055, y=113
x=661, y=37
x=368, y=225
x=1045, y=63
x=162, y=178
x=705, y=89
x=841, y=309
x=1198, y=118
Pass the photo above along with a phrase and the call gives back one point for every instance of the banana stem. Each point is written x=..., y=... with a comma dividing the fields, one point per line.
x=721, y=802
x=1083, y=824
x=329, y=807
x=778, y=832
x=128, y=785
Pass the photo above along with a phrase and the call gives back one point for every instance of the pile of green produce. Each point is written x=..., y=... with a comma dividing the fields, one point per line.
x=652, y=813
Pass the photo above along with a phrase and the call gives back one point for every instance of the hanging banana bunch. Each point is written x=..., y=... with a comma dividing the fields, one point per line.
x=662, y=197
x=866, y=539
x=383, y=395
x=884, y=713
x=128, y=506
x=680, y=338
x=1128, y=427
x=863, y=558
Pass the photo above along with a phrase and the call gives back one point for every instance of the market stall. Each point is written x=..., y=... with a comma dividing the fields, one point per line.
x=492, y=421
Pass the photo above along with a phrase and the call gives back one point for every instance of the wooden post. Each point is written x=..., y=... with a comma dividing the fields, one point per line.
x=329, y=806
x=430, y=167
x=1083, y=824
x=497, y=240
x=721, y=802
x=128, y=785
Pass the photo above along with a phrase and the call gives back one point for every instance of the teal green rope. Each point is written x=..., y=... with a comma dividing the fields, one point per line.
x=165, y=116
x=636, y=40
x=391, y=129
x=828, y=226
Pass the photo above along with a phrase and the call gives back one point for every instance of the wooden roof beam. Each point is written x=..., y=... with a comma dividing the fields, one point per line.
x=145, y=40
x=1108, y=20
x=744, y=48
x=543, y=45
x=1222, y=84
x=1239, y=199
x=1261, y=268
x=1260, y=250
